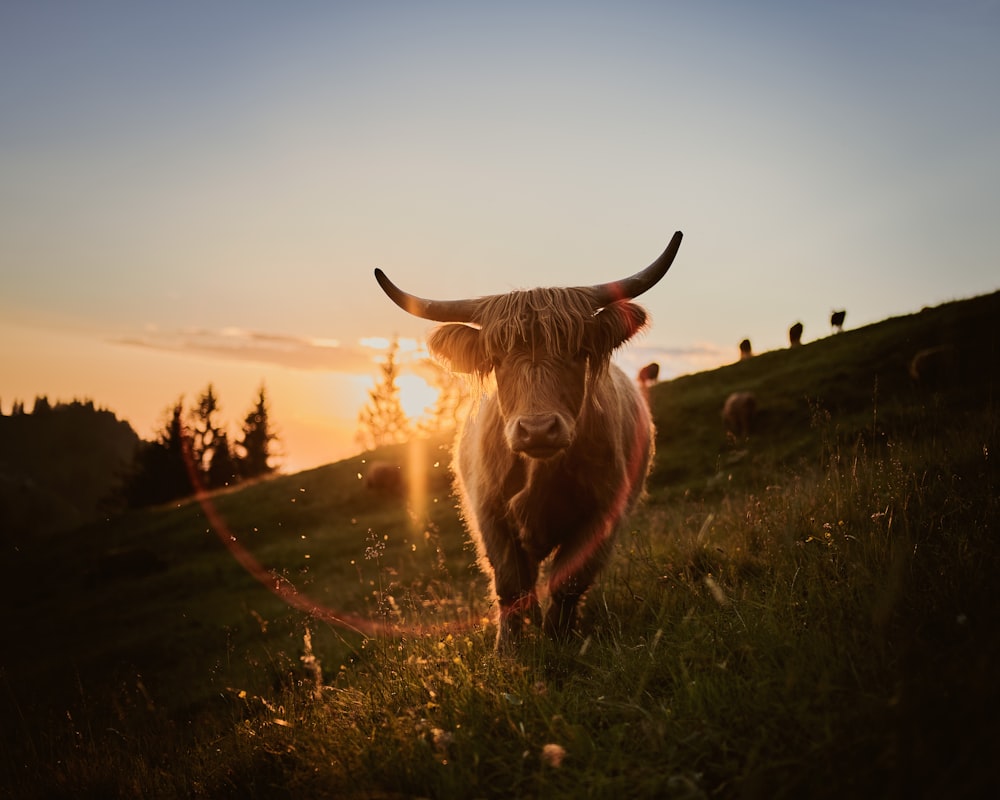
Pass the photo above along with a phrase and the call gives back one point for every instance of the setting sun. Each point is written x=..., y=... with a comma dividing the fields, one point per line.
x=415, y=395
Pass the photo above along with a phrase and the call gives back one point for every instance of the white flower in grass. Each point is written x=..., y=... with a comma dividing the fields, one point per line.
x=553, y=755
x=441, y=739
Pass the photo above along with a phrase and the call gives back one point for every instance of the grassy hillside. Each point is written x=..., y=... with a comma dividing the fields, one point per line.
x=808, y=612
x=858, y=380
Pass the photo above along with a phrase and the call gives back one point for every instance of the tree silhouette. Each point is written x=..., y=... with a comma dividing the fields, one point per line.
x=205, y=433
x=382, y=421
x=161, y=471
x=256, y=440
x=453, y=392
x=224, y=469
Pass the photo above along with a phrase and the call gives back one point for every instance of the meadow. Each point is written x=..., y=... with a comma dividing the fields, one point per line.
x=809, y=612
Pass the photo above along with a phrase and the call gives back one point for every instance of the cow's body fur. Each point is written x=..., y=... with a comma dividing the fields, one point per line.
x=738, y=412
x=521, y=510
x=550, y=354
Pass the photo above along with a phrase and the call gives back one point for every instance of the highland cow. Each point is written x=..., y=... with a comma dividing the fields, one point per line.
x=648, y=375
x=738, y=412
x=385, y=476
x=934, y=368
x=795, y=334
x=552, y=461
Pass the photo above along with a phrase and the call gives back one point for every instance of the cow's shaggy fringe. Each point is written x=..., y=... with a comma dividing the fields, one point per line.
x=548, y=320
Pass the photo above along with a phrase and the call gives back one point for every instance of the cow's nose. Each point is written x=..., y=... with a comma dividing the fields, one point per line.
x=539, y=433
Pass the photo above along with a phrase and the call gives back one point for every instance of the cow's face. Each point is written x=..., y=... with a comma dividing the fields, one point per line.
x=540, y=397
x=543, y=363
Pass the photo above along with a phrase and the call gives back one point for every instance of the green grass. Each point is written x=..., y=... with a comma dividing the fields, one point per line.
x=807, y=614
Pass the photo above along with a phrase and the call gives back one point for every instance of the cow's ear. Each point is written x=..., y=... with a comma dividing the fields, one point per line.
x=617, y=323
x=460, y=346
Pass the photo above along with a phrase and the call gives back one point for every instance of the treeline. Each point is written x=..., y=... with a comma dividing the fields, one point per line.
x=61, y=465
x=67, y=464
x=193, y=452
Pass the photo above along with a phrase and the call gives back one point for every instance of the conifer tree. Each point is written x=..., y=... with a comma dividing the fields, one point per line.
x=255, y=443
x=453, y=392
x=382, y=421
x=163, y=468
x=205, y=432
x=224, y=469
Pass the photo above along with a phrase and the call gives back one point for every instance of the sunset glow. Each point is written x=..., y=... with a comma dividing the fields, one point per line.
x=416, y=395
x=190, y=203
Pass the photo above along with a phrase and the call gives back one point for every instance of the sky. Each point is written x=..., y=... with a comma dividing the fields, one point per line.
x=196, y=193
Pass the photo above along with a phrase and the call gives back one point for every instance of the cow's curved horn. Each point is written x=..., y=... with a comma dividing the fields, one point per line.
x=642, y=281
x=435, y=310
x=465, y=310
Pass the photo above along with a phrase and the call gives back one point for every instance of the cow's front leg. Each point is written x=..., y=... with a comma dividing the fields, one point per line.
x=574, y=568
x=516, y=610
x=514, y=576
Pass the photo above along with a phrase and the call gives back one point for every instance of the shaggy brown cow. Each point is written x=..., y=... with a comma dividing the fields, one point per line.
x=553, y=459
x=795, y=334
x=934, y=368
x=649, y=375
x=737, y=413
x=385, y=476
x=837, y=320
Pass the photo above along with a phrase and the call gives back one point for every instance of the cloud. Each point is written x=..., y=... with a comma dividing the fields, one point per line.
x=675, y=361
x=327, y=355
x=237, y=344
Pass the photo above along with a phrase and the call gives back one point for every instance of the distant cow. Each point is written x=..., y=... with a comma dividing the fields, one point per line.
x=738, y=412
x=837, y=320
x=934, y=368
x=649, y=374
x=558, y=454
x=746, y=351
x=795, y=334
x=385, y=476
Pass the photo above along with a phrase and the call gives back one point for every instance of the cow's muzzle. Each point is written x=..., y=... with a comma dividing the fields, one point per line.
x=539, y=435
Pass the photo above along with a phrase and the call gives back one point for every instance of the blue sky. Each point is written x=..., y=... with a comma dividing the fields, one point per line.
x=199, y=191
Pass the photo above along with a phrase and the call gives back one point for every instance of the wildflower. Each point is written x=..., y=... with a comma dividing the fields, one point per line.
x=716, y=591
x=311, y=664
x=656, y=640
x=553, y=755
x=441, y=740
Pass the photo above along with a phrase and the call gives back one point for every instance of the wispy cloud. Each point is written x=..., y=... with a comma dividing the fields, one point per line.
x=316, y=354
x=675, y=361
x=238, y=344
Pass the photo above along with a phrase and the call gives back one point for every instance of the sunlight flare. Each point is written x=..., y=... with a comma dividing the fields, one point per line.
x=415, y=395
